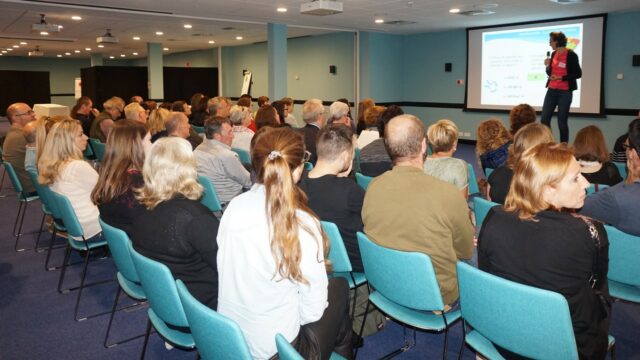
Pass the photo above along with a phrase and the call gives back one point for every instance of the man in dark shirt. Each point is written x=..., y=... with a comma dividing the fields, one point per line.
x=313, y=116
x=14, y=147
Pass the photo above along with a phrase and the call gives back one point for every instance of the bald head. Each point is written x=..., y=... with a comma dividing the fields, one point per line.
x=19, y=114
x=404, y=136
x=29, y=132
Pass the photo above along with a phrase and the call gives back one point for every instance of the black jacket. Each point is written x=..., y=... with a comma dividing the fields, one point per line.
x=574, y=71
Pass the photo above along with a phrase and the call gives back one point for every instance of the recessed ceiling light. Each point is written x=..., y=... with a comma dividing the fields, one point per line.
x=211, y=42
x=100, y=46
x=4, y=51
x=281, y=9
x=454, y=10
x=9, y=49
x=59, y=55
x=76, y=51
x=239, y=38
x=379, y=21
x=76, y=18
x=87, y=49
x=23, y=43
x=111, y=57
x=122, y=55
x=16, y=46
x=44, y=33
x=165, y=49
x=379, y=18
x=136, y=38
x=67, y=53
x=188, y=26
x=135, y=54
x=159, y=33
x=60, y=27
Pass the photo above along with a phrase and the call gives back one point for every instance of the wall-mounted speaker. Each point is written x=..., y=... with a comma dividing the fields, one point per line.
x=332, y=69
x=636, y=60
x=447, y=67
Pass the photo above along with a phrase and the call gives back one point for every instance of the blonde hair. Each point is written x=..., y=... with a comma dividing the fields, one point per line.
x=157, y=119
x=540, y=166
x=527, y=137
x=491, y=135
x=43, y=126
x=311, y=110
x=169, y=170
x=442, y=135
x=59, y=148
x=237, y=114
x=275, y=154
x=114, y=103
x=132, y=111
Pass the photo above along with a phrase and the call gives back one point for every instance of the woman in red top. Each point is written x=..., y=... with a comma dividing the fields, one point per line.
x=563, y=69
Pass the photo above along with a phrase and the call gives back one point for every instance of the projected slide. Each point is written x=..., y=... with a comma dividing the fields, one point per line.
x=505, y=64
x=513, y=70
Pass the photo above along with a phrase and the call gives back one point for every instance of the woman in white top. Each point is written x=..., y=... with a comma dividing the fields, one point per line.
x=271, y=259
x=62, y=168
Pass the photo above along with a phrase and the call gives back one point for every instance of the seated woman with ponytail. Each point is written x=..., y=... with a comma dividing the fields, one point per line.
x=272, y=269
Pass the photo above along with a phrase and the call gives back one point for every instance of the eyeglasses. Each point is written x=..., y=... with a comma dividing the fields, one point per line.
x=30, y=112
x=306, y=157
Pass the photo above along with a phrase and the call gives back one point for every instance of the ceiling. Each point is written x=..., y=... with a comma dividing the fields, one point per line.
x=223, y=21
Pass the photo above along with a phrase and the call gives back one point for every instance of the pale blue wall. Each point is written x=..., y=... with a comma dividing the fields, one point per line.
x=196, y=58
x=381, y=67
x=249, y=57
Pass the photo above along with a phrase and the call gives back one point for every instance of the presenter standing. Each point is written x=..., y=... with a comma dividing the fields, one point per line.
x=563, y=69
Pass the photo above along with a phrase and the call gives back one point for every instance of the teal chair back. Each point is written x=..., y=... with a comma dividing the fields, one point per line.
x=473, y=181
x=244, y=156
x=337, y=251
x=209, y=197
x=363, y=180
x=88, y=152
x=98, y=148
x=216, y=336
x=406, y=278
x=624, y=255
x=308, y=166
x=160, y=287
x=594, y=188
x=622, y=168
x=198, y=129
x=67, y=214
x=529, y=321
x=356, y=156
x=481, y=208
x=119, y=242
x=487, y=172
x=286, y=351
x=15, y=181
x=44, y=193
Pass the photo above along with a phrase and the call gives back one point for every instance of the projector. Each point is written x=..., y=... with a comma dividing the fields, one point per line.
x=38, y=27
x=36, y=52
x=321, y=7
x=107, y=39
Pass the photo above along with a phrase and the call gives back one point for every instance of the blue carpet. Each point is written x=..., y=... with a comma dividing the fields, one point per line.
x=37, y=323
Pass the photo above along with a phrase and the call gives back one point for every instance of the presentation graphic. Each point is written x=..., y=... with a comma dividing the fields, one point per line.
x=513, y=70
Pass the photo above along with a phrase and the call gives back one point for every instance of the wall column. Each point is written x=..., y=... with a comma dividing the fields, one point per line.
x=96, y=60
x=277, y=60
x=154, y=71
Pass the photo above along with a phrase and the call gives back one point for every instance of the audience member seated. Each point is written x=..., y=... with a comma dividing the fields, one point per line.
x=182, y=107
x=178, y=125
x=62, y=168
x=527, y=137
x=519, y=116
x=619, y=204
x=407, y=210
x=363, y=105
x=193, y=103
x=219, y=106
x=30, y=135
x=172, y=226
x=14, y=147
x=121, y=173
x=492, y=144
x=149, y=105
x=156, y=123
x=198, y=110
x=194, y=138
x=339, y=114
x=281, y=112
x=135, y=112
x=591, y=152
x=104, y=121
x=165, y=105
x=43, y=127
x=273, y=277
x=84, y=112
x=262, y=100
x=351, y=119
x=619, y=153
x=216, y=160
x=136, y=99
x=533, y=241
x=374, y=159
x=370, y=133
x=314, y=118
x=289, y=118
x=240, y=117
x=267, y=116
x=443, y=139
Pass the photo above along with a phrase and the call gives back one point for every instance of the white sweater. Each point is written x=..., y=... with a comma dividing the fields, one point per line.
x=250, y=291
x=76, y=181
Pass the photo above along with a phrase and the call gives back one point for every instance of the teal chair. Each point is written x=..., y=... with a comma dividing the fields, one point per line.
x=308, y=166
x=363, y=180
x=88, y=153
x=487, y=172
x=165, y=307
x=624, y=267
x=4, y=170
x=356, y=157
x=473, y=181
x=216, y=336
x=340, y=259
x=23, y=201
x=286, y=351
x=74, y=229
x=209, y=197
x=198, y=129
x=98, y=148
x=406, y=289
x=594, y=188
x=481, y=208
x=44, y=200
x=500, y=312
x=622, y=168
x=127, y=276
x=244, y=156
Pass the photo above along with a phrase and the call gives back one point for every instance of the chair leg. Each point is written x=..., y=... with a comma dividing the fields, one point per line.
x=366, y=312
x=146, y=339
x=464, y=335
x=613, y=352
x=36, y=249
x=64, y=269
x=46, y=262
x=82, y=278
x=113, y=312
x=4, y=171
x=355, y=296
x=446, y=338
x=22, y=208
